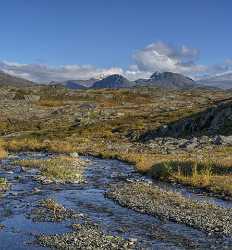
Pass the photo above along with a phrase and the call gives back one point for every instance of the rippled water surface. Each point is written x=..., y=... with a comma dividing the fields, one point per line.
x=19, y=231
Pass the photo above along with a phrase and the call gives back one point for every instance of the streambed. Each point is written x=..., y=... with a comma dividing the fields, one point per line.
x=19, y=230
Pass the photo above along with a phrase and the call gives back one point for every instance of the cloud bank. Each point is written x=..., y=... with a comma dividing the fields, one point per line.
x=45, y=74
x=165, y=57
x=157, y=56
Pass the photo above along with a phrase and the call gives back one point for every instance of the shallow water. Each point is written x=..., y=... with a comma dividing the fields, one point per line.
x=89, y=199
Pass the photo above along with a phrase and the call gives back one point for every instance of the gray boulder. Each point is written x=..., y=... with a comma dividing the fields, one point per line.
x=222, y=140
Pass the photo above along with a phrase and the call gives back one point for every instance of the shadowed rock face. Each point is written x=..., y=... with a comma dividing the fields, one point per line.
x=217, y=119
x=168, y=80
x=6, y=79
x=113, y=81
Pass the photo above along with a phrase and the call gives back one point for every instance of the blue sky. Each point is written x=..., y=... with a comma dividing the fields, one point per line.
x=47, y=39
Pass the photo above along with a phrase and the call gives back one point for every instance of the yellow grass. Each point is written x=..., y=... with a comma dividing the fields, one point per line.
x=50, y=103
x=3, y=152
x=39, y=145
x=59, y=168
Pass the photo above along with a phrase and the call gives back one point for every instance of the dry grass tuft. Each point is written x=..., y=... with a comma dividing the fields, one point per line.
x=3, y=152
x=64, y=168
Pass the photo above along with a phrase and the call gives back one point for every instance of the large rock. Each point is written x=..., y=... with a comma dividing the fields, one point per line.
x=223, y=140
x=215, y=120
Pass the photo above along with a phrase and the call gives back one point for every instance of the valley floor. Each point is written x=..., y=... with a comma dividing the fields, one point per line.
x=178, y=189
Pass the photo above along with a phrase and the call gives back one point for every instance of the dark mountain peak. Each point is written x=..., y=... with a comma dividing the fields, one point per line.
x=116, y=77
x=156, y=75
x=168, y=80
x=168, y=75
x=113, y=81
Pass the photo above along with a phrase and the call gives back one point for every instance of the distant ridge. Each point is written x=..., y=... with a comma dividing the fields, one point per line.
x=76, y=84
x=223, y=81
x=163, y=80
x=7, y=79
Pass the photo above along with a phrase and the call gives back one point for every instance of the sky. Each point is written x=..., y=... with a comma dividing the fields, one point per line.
x=77, y=39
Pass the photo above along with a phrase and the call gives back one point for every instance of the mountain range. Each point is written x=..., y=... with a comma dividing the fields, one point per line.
x=76, y=84
x=164, y=80
x=223, y=81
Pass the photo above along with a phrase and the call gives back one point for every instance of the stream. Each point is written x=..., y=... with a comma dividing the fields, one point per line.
x=88, y=198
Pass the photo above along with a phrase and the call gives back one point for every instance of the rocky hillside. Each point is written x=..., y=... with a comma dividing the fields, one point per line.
x=6, y=79
x=215, y=120
x=168, y=80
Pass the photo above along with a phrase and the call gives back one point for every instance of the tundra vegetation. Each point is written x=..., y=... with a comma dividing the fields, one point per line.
x=173, y=136
x=110, y=124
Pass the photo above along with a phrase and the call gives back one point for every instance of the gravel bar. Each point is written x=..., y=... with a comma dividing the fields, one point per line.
x=149, y=199
x=85, y=236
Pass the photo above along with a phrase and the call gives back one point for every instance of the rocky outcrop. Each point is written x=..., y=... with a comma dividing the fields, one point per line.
x=172, y=145
x=215, y=120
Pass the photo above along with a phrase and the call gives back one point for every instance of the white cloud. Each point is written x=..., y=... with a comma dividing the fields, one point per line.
x=165, y=57
x=44, y=73
x=157, y=56
x=162, y=57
